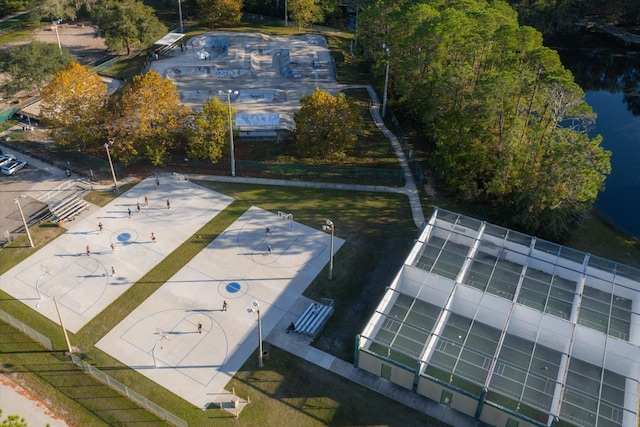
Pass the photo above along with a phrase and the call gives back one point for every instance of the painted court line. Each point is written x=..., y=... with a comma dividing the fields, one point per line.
x=83, y=284
x=196, y=366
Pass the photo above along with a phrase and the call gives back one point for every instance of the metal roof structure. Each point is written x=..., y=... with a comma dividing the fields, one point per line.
x=542, y=331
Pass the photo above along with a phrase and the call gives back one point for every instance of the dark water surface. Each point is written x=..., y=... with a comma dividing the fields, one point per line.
x=609, y=73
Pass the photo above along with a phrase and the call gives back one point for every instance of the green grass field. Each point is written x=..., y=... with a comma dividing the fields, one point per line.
x=287, y=388
x=379, y=232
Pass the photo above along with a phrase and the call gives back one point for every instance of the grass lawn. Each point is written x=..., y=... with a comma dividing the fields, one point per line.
x=288, y=387
x=378, y=230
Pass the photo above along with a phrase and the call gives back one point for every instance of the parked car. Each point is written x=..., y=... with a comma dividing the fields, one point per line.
x=13, y=167
x=6, y=159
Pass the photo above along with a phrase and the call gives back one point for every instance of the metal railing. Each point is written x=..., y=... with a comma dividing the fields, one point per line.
x=126, y=391
x=28, y=330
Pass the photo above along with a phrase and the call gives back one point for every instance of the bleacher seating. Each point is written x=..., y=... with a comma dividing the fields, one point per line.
x=313, y=319
x=67, y=208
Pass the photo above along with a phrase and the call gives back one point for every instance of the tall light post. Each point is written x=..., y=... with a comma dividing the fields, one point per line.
x=256, y=309
x=230, y=92
x=24, y=221
x=55, y=25
x=329, y=226
x=180, y=13
x=113, y=172
x=386, y=82
x=286, y=14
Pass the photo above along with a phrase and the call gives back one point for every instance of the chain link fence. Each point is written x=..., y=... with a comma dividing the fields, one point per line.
x=126, y=391
x=32, y=333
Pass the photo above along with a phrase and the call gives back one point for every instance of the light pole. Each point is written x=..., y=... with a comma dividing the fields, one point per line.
x=55, y=24
x=256, y=309
x=229, y=92
x=386, y=82
x=328, y=226
x=113, y=172
x=286, y=14
x=180, y=13
x=26, y=227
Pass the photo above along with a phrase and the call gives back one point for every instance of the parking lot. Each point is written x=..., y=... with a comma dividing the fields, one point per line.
x=33, y=181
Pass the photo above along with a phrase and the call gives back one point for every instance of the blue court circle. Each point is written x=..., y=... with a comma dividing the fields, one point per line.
x=124, y=237
x=233, y=287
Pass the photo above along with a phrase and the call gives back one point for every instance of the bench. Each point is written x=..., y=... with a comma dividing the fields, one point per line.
x=313, y=319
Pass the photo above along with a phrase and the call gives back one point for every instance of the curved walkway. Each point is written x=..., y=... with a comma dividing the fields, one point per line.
x=410, y=189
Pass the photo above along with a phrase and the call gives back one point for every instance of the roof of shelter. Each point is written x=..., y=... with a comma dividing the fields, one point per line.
x=480, y=306
x=170, y=39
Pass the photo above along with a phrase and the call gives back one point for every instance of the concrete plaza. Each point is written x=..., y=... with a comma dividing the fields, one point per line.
x=160, y=339
x=85, y=284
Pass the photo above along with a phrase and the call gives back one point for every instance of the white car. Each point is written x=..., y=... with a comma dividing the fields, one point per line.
x=6, y=159
x=13, y=166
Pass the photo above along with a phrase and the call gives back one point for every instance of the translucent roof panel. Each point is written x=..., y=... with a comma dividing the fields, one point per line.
x=564, y=323
x=443, y=257
x=585, y=384
x=605, y=312
x=547, y=293
x=526, y=372
x=405, y=330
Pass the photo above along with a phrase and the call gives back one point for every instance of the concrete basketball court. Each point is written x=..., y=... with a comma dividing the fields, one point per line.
x=160, y=338
x=84, y=285
x=270, y=73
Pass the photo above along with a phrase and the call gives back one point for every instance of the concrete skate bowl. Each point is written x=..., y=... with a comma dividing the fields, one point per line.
x=199, y=72
x=210, y=47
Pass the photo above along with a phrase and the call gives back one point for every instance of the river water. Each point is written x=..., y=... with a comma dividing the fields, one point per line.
x=609, y=73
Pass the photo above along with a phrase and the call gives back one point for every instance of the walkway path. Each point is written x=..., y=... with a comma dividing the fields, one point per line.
x=410, y=189
x=300, y=346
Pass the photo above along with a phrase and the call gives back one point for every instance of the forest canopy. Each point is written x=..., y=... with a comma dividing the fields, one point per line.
x=508, y=123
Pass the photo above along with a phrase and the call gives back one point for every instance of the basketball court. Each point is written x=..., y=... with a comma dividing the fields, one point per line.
x=180, y=337
x=76, y=268
x=161, y=339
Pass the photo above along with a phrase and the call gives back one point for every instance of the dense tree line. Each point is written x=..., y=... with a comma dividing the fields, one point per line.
x=147, y=121
x=507, y=120
x=551, y=16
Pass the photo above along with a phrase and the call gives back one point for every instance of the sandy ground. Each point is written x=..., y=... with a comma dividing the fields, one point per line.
x=79, y=38
x=15, y=400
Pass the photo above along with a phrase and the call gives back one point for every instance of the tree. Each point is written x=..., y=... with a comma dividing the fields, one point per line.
x=73, y=106
x=210, y=131
x=31, y=66
x=13, y=421
x=216, y=13
x=305, y=12
x=507, y=121
x=125, y=23
x=326, y=125
x=52, y=10
x=8, y=7
x=148, y=120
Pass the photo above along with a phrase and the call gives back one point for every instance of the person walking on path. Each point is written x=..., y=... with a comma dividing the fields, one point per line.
x=113, y=248
x=157, y=182
x=153, y=237
x=225, y=306
x=269, y=250
x=268, y=231
x=129, y=210
x=100, y=227
x=199, y=327
x=88, y=251
x=168, y=204
x=139, y=207
x=113, y=270
x=146, y=201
